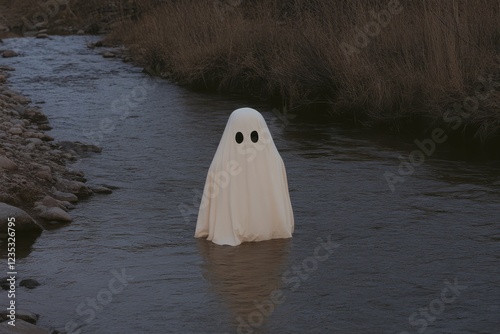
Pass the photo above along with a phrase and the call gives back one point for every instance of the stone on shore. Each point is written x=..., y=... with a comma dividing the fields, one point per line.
x=64, y=196
x=24, y=223
x=51, y=202
x=80, y=148
x=27, y=316
x=9, y=54
x=46, y=137
x=108, y=54
x=6, y=68
x=74, y=187
x=16, y=130
x=101, y=190
x=7, y=164
x=29, y=283
x=55, y=214
x=44, y=127
x=22, y=327
x=44, y=175
x=35, y=116
x=5, y=283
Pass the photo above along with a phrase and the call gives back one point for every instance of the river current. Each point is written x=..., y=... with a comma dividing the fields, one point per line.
x=423, y=258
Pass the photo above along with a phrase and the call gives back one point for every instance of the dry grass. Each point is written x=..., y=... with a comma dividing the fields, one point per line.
x=429, y=55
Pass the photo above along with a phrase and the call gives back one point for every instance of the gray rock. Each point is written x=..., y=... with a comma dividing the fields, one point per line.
x=108, y=54
x=39, y=207
x=44, y=175
x=42, y=36
x=15, y=130
x=44, y=127
x=79, y=148
x=9, y=54
x=24, y=224
x=45, y=168
x=22, y=327
x=35, y=141
x=17, y=122
x=69, y=156
x=16, y=114
x=64, y=196
x=80, y=32
x=7, y=164
x=68, y=205
x=74, y=187
x=46, y=137
x=6, y=68
x=101, y=190
x=29, y=283
x=51, y=202
x=21, y=99
x=27, y=316
x=35, y=116
x=55, y=152
x=5, y=283
x=56, y=214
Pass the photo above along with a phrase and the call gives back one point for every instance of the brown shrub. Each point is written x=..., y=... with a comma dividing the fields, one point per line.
x=426, y=57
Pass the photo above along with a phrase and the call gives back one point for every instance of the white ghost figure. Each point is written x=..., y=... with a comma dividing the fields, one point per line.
x=246, y=192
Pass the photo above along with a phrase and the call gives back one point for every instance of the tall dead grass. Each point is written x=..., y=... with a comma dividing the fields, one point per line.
x=308, y=55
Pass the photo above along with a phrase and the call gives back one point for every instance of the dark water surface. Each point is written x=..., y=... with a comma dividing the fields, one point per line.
x=428, y=251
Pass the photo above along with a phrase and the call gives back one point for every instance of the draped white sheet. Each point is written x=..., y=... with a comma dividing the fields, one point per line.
x=246, y=191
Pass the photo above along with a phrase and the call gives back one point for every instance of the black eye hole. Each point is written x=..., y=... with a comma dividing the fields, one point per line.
x=239, y=137
x=254, y=136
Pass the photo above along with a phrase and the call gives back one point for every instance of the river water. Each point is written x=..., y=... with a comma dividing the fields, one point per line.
x=421, y=259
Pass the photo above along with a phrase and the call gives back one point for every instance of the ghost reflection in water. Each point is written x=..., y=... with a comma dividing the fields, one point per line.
x=247, y=280
x=246, y=192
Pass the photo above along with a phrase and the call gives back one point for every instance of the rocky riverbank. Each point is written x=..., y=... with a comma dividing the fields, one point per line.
x=37, y=187
x=33, y=171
